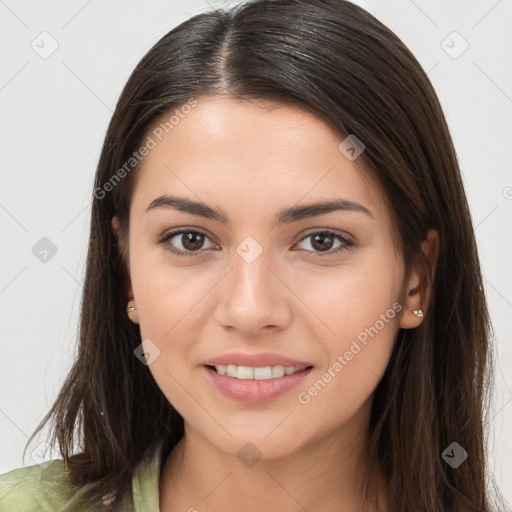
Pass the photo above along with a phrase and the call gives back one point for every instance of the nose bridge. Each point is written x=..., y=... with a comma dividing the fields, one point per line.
x=251, y=278
x=252, y=296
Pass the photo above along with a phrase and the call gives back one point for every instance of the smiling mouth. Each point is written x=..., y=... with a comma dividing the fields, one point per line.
x=256, y=373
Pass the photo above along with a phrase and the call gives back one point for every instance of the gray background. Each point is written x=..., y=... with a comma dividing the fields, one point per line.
x=54, y=113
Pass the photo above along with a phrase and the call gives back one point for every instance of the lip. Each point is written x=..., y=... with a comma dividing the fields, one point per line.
x=254, y=391
x=257, y=360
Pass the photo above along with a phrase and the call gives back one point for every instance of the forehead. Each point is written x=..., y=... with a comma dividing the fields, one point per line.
x=255, y=128
x=250, y=154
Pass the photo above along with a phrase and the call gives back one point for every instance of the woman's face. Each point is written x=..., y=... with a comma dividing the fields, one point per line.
x=261, y=283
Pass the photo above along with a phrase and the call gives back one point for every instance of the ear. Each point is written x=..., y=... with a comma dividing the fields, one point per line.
x=419, y=288
x=133, y=315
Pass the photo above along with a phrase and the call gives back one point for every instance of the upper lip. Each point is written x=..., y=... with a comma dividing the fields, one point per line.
x=257, y=360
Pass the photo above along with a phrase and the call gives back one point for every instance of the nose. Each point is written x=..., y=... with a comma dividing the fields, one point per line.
x=254, y=297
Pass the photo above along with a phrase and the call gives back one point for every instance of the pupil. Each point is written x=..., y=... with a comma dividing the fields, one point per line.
x=322, y=246
x=189, y=239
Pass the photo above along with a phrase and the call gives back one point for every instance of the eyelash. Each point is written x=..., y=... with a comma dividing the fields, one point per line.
x=346, y=242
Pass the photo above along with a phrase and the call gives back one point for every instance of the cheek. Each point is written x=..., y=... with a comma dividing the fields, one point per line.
x=360, y=313
x=167, y=295
x=171, y=314
x=341, y=389
x=173, y=304
x=347, y=299
x=169, y=304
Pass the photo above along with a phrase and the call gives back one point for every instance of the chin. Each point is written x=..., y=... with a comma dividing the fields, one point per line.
x=250, y=448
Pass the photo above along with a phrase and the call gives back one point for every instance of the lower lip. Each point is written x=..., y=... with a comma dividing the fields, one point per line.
x=254, y=391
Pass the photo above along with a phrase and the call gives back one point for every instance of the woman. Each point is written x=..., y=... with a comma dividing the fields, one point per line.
x=283, y=305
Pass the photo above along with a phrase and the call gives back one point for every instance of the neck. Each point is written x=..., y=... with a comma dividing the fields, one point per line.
x=325, y=474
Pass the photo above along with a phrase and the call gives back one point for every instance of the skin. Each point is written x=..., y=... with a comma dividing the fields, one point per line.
x=251, y=159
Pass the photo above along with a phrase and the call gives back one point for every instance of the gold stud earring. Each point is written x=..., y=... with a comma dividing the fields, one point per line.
x=417, y=312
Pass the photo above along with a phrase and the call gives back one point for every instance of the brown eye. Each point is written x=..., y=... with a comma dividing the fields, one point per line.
x=322, y=243
x=192, y=241
x=185, y=242
x=189, y=242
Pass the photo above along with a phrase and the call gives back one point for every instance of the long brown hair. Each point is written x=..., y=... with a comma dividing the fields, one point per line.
x=335, y=59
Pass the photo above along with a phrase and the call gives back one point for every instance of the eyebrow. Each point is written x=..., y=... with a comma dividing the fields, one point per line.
x=286, y=215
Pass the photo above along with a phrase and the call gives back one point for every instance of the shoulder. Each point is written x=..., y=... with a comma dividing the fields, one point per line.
x=47, y=487
x=39, y=488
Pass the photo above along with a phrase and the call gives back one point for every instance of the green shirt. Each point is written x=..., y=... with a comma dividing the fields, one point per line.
x=46, y=487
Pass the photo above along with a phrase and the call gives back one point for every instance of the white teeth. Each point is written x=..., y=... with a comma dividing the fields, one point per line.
x=263, y=373
x=231, y=370
x=248, y=372
x=277, y=371
x=244, y=372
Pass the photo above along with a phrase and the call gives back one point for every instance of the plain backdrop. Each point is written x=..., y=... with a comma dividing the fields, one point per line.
x=54, y=110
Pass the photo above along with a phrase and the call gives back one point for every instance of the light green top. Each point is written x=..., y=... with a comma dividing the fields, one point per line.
x=46, y=487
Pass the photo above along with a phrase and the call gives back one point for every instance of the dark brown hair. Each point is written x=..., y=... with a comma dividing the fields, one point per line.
x=335, y=59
